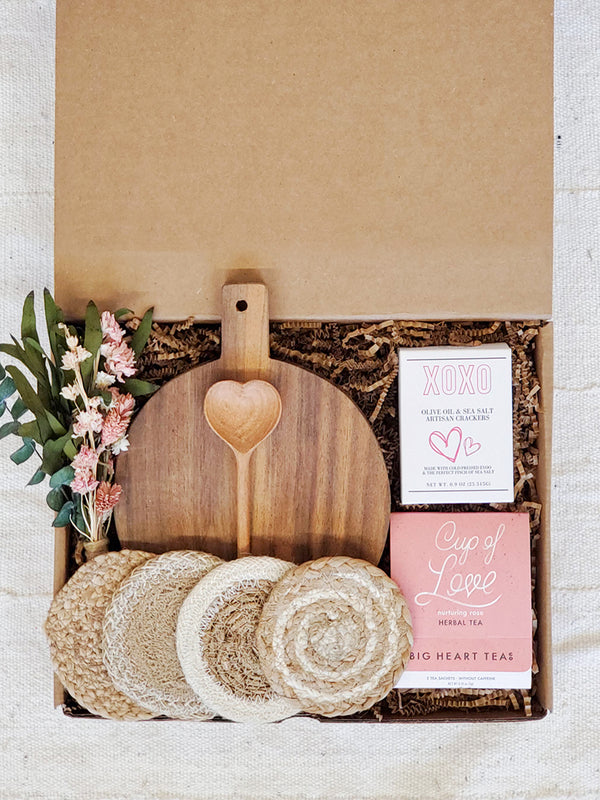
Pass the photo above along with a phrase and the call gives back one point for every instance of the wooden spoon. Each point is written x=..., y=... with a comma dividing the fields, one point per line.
x=243, y=415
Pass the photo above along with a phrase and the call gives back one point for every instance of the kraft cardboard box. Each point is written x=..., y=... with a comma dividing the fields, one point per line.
x=388, y=160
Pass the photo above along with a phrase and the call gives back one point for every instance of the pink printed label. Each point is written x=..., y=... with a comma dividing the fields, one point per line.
x=467, y=580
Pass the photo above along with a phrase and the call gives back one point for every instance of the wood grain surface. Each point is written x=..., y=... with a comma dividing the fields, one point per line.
x=243, y=415
x=318, y=483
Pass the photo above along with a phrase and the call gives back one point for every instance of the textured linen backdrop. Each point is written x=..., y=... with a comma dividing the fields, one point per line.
x=45, y=755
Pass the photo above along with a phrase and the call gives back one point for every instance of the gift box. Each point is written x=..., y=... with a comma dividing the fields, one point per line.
x=367, y=162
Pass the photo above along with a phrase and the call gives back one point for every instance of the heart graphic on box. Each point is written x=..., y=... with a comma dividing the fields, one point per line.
x=446, y=446
x=471, y=446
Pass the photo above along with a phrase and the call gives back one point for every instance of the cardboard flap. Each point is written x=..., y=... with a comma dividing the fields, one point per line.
x=366, y=160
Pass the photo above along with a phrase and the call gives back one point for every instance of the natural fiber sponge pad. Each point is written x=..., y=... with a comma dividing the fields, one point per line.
x=140, y=651
x=74, y=630
x=335, y=634
x=216, y=641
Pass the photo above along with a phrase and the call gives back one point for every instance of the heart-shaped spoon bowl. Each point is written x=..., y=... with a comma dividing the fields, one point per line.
x=242, y=414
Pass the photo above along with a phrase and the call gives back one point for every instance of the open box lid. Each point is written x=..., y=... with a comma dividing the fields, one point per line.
x=365, y=160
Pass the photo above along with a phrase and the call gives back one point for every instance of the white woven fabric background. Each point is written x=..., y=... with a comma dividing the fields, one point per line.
x=45, y=755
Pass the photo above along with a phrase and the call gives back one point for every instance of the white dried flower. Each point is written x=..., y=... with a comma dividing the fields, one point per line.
x=120, y=446
x=73, y=358
x=104, y=380
x=70, y=392
x=72, y=341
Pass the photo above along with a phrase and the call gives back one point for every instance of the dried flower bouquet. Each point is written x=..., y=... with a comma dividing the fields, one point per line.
x=82, y=404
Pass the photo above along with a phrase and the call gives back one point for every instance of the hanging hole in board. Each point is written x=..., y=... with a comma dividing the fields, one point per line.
x=241, y=305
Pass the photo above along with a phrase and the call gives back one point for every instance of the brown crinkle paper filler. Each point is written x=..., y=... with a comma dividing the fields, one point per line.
x=361, y=359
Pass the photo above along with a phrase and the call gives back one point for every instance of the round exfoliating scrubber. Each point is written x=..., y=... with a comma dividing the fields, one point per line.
x=216, y=640
x=335, y=634
x=74, y=630
x=140, y=651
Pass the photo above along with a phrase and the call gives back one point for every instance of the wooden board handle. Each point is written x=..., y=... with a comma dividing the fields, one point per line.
x=245, y=330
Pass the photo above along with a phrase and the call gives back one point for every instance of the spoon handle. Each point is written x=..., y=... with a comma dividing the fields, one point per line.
x=243, y=503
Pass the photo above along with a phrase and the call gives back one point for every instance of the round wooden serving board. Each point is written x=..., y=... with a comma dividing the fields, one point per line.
x=318, y=483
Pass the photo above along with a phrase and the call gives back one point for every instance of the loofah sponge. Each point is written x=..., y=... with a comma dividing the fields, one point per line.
x=216, y=640
x=140, y=651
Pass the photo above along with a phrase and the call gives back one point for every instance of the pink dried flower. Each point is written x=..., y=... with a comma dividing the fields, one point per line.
x=74, y=357
x=86, y=459
x=114, y=393
x=88, y=422
x=83, y=482
x=124, y=403
x=111, y=330
x=116, y=421
x=107, y=497
x=120, y=359
x=114, y=426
